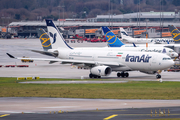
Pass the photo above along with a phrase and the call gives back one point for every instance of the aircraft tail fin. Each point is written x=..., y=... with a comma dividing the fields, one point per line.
x=44, y=38
x=124, y=34
x=56, y=38
x=175, y=33
x=112, y=39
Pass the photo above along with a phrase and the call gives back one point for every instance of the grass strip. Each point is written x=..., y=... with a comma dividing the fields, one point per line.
x=9, y=87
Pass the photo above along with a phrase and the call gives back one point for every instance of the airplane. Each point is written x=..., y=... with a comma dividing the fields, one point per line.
x=102, y=61
x=128, y=39
x=114, y=41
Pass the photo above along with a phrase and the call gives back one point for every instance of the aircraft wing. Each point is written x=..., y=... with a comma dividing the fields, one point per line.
x=71, y=61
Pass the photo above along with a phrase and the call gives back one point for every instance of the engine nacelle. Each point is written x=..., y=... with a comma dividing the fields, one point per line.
x=149, y=72
x=101, y=70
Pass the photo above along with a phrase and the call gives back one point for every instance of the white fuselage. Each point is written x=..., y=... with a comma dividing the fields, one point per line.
x=148, y=40
x=142, y=61
x=142, y=48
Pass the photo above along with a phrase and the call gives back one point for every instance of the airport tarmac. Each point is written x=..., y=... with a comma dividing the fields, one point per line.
x=77, y=109
x=44, y=105
x=20, y=47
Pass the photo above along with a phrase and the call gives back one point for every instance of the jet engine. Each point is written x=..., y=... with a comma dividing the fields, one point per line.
x=101, y=70
x=149, y=72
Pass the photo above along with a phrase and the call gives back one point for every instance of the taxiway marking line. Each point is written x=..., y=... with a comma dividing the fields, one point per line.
x=4, y=115
x=110, y=117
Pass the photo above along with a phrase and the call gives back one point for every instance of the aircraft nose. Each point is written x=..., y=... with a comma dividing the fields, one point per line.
x=167, y=64
x=175, y=54
x=170, y=63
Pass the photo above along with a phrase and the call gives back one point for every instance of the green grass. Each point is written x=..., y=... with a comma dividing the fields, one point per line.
x=129, y=90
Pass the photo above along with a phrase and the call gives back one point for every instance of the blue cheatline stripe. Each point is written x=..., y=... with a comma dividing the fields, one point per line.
x=50, y=23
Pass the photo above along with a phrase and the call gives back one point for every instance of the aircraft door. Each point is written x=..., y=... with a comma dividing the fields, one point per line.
x=153, y=63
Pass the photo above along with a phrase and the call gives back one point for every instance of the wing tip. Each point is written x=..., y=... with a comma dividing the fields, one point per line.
x=11, y=56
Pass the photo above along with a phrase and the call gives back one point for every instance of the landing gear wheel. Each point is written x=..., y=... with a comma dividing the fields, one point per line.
x=90, y=75
x=123, y=74
x=127, y=74
x=158, y=76
x=118, y=74
x=95, y=76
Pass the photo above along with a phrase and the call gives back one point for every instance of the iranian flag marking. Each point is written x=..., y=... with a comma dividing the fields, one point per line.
x=119, y=54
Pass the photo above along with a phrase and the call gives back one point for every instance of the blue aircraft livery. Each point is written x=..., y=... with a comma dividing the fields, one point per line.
x=124, y=33
x=53, y=36
x=132, y=58
x=112, y=39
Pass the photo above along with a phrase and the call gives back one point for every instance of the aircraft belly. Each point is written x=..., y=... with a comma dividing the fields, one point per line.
x=126, y=68
x=138, y=66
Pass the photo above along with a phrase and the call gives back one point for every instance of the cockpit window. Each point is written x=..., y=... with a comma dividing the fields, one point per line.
x=166, y=58
x=171, y=50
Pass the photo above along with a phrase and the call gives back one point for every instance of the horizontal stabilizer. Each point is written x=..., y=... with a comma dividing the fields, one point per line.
x=51, y=62
x=54, y=54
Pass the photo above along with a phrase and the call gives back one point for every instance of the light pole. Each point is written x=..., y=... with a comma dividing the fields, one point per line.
x=147, y=20
x=109, y=11
x=59, y=14
x=63, y=14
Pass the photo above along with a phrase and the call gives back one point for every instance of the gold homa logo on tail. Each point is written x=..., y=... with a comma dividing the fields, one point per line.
x=45, y=40
x=175, y=34
x=110, y=37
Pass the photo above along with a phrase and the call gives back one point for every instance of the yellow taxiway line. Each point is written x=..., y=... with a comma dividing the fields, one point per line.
x=4, y=115
x=110, y=117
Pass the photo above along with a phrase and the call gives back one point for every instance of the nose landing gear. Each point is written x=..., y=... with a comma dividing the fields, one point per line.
x=158, y=76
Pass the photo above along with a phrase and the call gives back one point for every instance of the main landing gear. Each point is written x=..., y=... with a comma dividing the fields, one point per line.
x=94, y=76
x=123, y=74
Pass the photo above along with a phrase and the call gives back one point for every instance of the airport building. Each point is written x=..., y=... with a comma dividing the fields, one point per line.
x=132, y=21
x=140, y=16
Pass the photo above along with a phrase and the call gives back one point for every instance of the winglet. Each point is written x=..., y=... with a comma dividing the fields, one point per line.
x=10, y=55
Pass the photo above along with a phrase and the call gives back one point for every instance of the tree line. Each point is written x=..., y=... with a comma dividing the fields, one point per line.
x=16, y=10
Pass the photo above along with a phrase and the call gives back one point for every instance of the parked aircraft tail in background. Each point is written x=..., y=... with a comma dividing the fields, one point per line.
x=112, y=39
x=175, y=33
